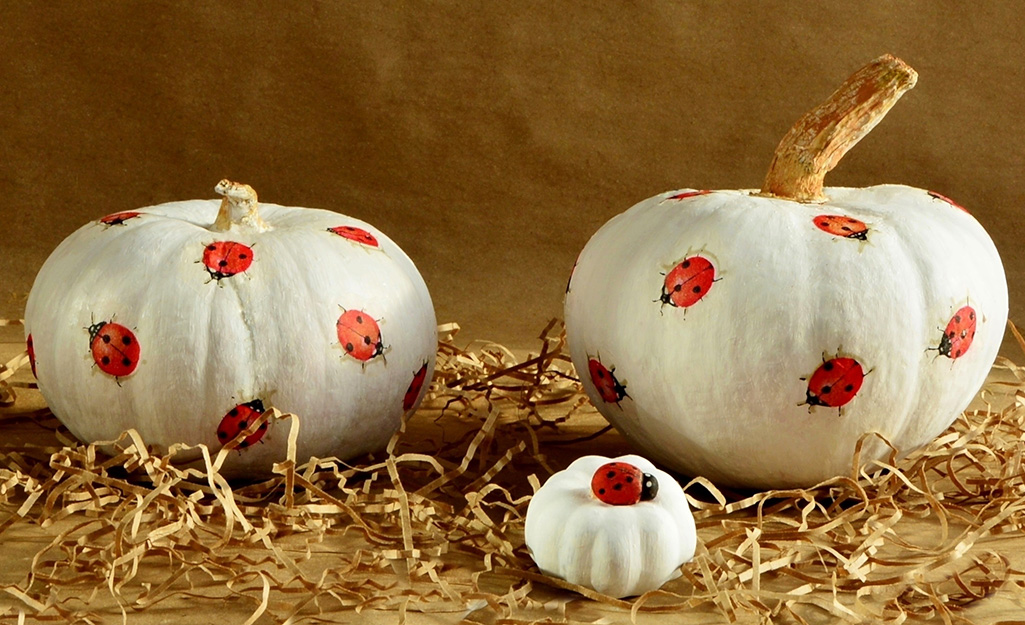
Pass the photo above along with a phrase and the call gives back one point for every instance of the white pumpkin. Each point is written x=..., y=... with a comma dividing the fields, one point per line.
x=187, y=320
x=755, y=337
x=621, y=549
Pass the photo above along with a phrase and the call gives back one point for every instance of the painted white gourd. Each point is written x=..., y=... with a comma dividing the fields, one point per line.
x=186, y=320
x=755, y=337
x=618, y=550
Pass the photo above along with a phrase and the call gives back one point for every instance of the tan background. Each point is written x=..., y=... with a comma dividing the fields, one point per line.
x=490, y=140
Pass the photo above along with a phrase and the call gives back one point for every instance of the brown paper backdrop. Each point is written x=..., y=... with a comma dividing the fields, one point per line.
x=490, y=140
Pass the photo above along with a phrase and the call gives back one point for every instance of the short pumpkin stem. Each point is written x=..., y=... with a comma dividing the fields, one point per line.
x=238, y=206
x=820, y=139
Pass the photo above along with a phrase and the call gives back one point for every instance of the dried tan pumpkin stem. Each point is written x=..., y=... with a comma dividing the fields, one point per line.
x=820, y=139
x=238, y=207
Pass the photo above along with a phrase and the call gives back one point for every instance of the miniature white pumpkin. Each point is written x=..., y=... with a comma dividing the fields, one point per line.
x=187, y=320
x=755, y=337
x=619, y=549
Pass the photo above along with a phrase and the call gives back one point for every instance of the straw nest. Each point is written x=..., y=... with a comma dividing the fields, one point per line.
x=431, y=530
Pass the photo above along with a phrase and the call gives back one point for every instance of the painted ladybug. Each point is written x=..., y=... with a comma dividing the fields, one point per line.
x=605, y=382
x=937, y=196
x=623, y=484
x=224, y=259
x=360, y=335
x=842, y=226
x=118, y=219
x=688, y=194
x=958, y=336
x=688, y=282
x=238, y=419
x=414, y=388
x=114, y=347
x=359, y=235
x=834, y=383
x=31, y=355
x=572, y=271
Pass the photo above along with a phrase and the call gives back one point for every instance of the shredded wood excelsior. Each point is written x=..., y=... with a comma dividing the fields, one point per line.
x=434, y=524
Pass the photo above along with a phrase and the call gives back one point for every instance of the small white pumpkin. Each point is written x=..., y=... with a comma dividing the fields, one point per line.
x=631, y=544
x=188, y=320
x=755, y=337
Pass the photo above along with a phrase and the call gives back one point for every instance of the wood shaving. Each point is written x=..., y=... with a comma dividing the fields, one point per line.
x=433, y=525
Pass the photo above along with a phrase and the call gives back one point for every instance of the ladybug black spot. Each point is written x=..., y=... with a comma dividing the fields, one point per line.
x=849, y=388
x=105, y=360
x=957, y=354
x=957, y=318
x=221, y=434
x=696, y=289
x=971, y=316
x=629, y=479
x=243, y=425
x=234, y=412
x=685, y=264
x=211, y=247
x=617, y=486
x=126, y=361
x=366, y=340
x=106, y=338
x=222, y=263
x=678, y=287
x=244, y=444
x=601, y=374
x=845, y=228
x=263, y=426
x=601, y=491
x=964, y=333
x=828, y=366
x=610, y=474
x=349, y=347
x=127, y=340
x=243, y=256
x=824, y=224
x=951, y=335
x=359, y=319
x=826, y=389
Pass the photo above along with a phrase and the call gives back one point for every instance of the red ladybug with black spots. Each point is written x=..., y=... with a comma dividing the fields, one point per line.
x=238, y=419
x=360, y=335
x=842, y=226
x=118, y=219
x=835, y=383
x=610, y=389
x=31, y=355
x=959, y=334
x=688, y=282
x=352, y=233
x=224, y=259
x=115, y=349
x=623, y=484
x=688, y=194
x=937, y=196
x=413, y=392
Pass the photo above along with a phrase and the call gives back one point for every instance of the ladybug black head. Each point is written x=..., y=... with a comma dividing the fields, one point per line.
x=94, y=329
x=649, y=487
x=945, y=345
x=256, y=405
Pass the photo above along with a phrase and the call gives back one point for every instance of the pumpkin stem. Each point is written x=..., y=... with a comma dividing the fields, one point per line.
x=820, y=139
x=238, y=206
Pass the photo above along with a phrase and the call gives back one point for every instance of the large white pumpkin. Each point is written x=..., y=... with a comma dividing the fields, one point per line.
x=755, y=337
x=187, y=320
